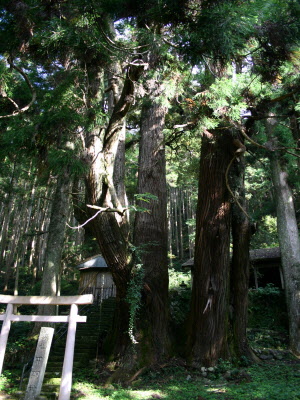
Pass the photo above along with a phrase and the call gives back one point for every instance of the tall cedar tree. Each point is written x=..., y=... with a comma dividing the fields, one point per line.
x=151, y=233
x=208, y=330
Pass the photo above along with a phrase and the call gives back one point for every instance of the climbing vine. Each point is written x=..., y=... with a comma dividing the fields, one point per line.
x=134, y=295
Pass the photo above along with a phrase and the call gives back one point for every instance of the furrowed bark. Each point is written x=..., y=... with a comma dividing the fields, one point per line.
x=151, y=233
x=207, y=339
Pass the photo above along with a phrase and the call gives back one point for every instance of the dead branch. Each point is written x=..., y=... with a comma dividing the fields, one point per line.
x=120, y=210
x=100, y=210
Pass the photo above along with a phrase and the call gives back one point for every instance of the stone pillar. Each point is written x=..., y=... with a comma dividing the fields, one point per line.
x=39, y=364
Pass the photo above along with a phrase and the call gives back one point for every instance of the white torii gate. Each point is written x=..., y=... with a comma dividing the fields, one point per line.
x=72, y=319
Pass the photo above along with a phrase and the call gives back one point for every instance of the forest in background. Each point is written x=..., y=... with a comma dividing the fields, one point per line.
x=173, y=128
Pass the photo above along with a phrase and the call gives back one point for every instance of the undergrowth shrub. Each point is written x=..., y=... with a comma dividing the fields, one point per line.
x=179, y=304
x=267, y=308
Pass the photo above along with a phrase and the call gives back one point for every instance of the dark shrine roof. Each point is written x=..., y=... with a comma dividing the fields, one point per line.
x=258, y=256
x=93, y=262
x=265, y=255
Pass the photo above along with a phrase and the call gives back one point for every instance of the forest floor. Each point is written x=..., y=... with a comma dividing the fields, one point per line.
x=267, y=380
x=275, y=377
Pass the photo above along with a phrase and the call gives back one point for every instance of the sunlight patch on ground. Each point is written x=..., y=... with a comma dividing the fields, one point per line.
x=217, y=390
x=91, y=392
x=145, y=394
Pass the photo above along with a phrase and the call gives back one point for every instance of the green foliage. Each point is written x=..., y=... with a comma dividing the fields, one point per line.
x=13, y=86
x=225, y=96
x=3, y=382
x=147, y=197
x=178, y=277
x=9, y=381
x=267, y=308
x=276, y=36
x=262, y=209
x=213, y=31
x=58, y=159
x=76, y=35
x=266, y=235
x=142, y=197
x=265, y=338
x=15, y=347
x=20, y=345
x=180, y=304
x=86, y=375
x=69, y=288
x=73, y=254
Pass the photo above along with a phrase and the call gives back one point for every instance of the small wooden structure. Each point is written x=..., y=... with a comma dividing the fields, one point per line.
x=265, y=267
x=96, y=279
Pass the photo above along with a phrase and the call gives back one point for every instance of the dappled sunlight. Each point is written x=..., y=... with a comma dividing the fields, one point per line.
x=222, y=211
x=217, y=390
x=85, y=390
x=146, y=394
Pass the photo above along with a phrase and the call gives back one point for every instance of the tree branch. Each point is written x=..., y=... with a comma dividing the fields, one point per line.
x=120, y=211
x=134, y=71
x=100, y=210
x=242, y=129
x=293, y=154
x=33, y=92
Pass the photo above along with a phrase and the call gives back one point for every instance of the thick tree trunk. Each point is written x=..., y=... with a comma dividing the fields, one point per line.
x=208, y=328
x=151, y=233
x=288, y=235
